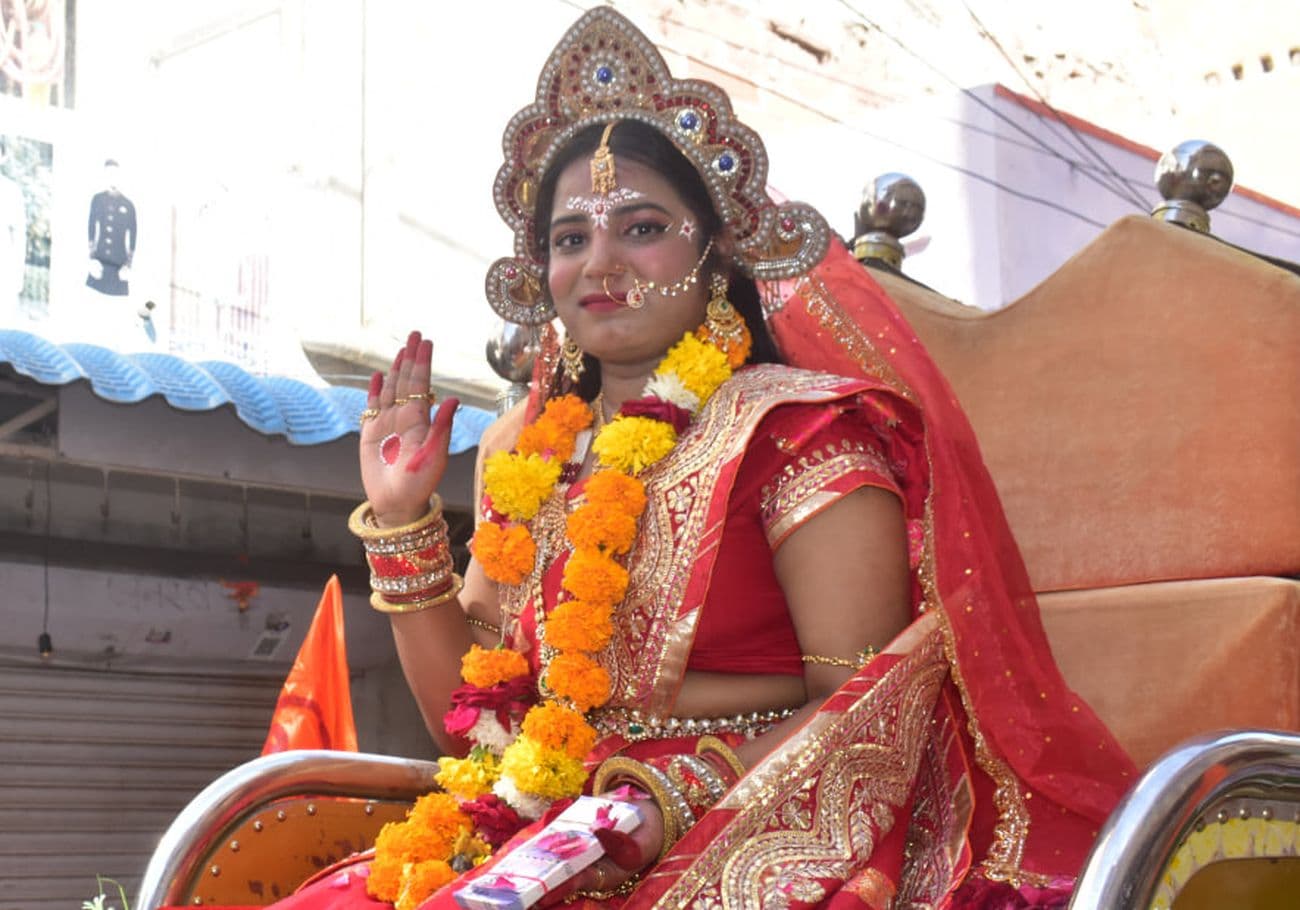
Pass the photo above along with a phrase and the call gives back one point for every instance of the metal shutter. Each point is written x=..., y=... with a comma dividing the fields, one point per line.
x=94, y=764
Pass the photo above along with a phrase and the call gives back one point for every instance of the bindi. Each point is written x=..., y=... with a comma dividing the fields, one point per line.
x=687, y=229
x=598, y=206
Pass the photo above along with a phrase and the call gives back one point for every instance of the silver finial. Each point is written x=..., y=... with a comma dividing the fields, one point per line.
x=1193, y=177
x=893, y=206
x=511, y=352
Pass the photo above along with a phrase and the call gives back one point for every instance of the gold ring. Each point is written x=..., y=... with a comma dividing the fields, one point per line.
x=427, y=397
x=601, y=875
x=369, y=414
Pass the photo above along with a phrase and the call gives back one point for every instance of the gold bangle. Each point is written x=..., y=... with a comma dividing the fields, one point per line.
x=622, y=890
x=863, y=658
x=711, y=745
x=676, y=812
x=362, y=522
x=378, y=602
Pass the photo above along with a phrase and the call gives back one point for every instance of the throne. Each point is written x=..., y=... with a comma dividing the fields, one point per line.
x=1138, y=413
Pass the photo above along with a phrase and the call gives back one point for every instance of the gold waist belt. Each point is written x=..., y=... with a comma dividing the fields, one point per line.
x=635, y=725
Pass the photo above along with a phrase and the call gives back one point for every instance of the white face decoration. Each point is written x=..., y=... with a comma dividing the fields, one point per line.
x=687, y=229
x=598, y=206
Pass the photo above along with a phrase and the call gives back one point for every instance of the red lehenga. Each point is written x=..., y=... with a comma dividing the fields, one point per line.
x=956, y=769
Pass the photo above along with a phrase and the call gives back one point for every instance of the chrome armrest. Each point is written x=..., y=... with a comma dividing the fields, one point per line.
x=1215, y=777
x=233, y=796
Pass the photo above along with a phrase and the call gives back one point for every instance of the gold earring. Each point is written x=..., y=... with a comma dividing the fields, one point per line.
x=724, y=327
x=571, y=360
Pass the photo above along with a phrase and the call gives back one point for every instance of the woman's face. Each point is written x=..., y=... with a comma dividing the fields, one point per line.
x=643, y=230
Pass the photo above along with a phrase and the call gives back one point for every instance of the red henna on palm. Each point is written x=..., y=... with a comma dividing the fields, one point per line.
x=376, y=385
x=424, y=353
x=621, y=848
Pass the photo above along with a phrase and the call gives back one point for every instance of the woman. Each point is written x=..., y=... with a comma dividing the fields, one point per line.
x=693, y=553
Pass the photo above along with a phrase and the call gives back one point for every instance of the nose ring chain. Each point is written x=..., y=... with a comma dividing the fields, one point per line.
x=636, y=296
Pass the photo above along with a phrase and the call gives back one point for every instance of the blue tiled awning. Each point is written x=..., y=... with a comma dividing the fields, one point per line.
x=275, y=405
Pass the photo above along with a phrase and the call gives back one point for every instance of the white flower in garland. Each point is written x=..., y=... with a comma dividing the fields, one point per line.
x=669, y=387
x=528, y=806
x=488, y=733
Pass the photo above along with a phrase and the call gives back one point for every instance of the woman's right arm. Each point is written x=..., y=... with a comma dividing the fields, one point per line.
x=403, y=456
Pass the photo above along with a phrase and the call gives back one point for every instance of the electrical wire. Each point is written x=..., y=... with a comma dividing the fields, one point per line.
x=1055, y=153
x=1087, y=147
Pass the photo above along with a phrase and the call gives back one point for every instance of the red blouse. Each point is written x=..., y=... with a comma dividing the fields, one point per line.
x=801, y=459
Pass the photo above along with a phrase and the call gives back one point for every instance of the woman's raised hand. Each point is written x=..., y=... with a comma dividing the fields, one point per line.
x=403, y=453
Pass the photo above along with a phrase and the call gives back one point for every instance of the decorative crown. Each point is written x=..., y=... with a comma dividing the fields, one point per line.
x=605, y=70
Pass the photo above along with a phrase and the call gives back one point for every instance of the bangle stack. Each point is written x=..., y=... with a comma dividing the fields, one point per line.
x=684, y=787
x=410, y=565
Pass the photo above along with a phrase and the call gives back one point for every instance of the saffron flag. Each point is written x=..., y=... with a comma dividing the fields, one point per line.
x=315, y=706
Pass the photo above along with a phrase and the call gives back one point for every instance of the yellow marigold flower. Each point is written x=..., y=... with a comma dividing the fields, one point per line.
x=420, y=880
x=594, y=577
x=554, y=726
x=632, y=444
x=484, y=667
x=616, y=490
x=577, y=625
x=467, y=778
x=700, y=366
x=580, y=679
x=537, y=770
x=599, y=527
x=518, y=484
x=569, y=412
x=506, y=554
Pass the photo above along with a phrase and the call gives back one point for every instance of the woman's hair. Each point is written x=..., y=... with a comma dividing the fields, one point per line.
x=639, y=142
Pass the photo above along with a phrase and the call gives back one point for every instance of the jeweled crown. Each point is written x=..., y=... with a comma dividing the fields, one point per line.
x=604, y=69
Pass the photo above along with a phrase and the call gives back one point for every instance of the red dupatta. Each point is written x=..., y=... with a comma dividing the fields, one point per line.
x=1054, y=770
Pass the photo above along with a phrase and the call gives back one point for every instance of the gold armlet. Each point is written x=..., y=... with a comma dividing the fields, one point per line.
x=483, y=624
x=857, y=663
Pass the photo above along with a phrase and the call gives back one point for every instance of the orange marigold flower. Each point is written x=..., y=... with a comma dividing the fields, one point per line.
x=484, y=668
x=617, y=491
x=737, y=353
x=594, y=577
x=554, y=726
x=545, y=437
x=420, y=880
x=569, y=412
x=576, y=625
x=579, y=679
x=598, y=527
x=440, y=817
x=506, y=554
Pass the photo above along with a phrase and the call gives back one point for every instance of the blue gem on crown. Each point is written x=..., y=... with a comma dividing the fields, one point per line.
x=689, y=121
x=604, y=74
x=725, y=163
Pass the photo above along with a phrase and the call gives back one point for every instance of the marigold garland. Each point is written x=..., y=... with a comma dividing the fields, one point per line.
x=543, y=762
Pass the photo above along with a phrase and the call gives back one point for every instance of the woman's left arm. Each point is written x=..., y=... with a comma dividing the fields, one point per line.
x=846, y=579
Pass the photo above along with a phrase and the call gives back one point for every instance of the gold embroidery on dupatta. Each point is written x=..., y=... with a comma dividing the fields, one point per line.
x=1012, y=828
x=823, y=306
x=654, y=628
x=820, y=802
x=796, y=494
